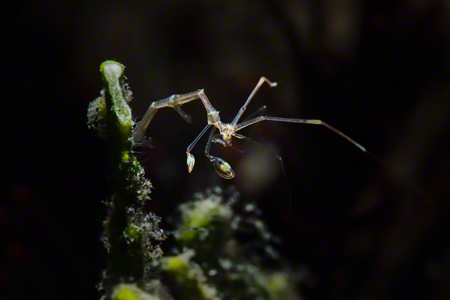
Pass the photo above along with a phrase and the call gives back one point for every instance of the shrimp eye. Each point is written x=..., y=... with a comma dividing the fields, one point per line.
x=222, y=168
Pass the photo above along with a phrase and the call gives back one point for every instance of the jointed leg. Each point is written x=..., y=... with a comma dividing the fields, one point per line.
x=258, y=112
x=174, y=101
x=244, y=107
x=208, y=145
x=222, y=167
x=190, y=157
x=302, y=121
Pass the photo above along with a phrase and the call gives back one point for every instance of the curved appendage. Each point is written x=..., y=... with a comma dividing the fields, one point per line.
x=223, y=169
x=174, y=101
x=244, y=107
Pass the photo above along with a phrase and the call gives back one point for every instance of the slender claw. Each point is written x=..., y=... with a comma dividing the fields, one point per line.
x=190, y=162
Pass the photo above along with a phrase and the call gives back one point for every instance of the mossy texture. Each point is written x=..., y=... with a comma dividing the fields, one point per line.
x=131, y=234
x=217, y=263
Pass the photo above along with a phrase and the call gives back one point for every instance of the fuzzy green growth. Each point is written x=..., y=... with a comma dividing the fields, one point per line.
x=203, y=214
x=97, y=114
x=131, y=235
x=177, y=266
x=125, y=294
x=126, y=158
x=190, y=276
x=221, y=263
x=276, y=284
x=125, y=291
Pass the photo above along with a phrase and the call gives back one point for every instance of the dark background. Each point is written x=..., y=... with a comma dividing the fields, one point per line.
x=379, y=73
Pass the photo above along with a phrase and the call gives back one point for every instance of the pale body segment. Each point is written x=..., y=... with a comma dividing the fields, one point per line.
x=226, y=130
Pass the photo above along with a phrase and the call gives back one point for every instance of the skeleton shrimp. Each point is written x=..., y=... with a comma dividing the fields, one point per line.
x=226, y=130
x=229, y=130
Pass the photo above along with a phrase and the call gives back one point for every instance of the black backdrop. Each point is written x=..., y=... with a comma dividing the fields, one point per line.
x=379, y=73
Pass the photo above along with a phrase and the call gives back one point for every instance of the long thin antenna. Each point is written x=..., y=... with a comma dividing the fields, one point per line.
x=320, y=122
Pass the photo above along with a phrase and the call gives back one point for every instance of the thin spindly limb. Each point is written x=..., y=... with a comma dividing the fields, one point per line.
x=216, y=139
x=244, y=107
x=208, y=144
x=259, y=112
x=223, y=169
x=192, y=145
x=184, y=115
x=190, y=157
x=301, y=121
x=174, y=101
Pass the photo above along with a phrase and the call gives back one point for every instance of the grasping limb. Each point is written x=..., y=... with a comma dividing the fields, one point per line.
x=223, y=169
x=174, y=101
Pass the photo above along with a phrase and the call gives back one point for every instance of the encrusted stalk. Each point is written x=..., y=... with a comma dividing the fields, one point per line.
x=131, y=235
